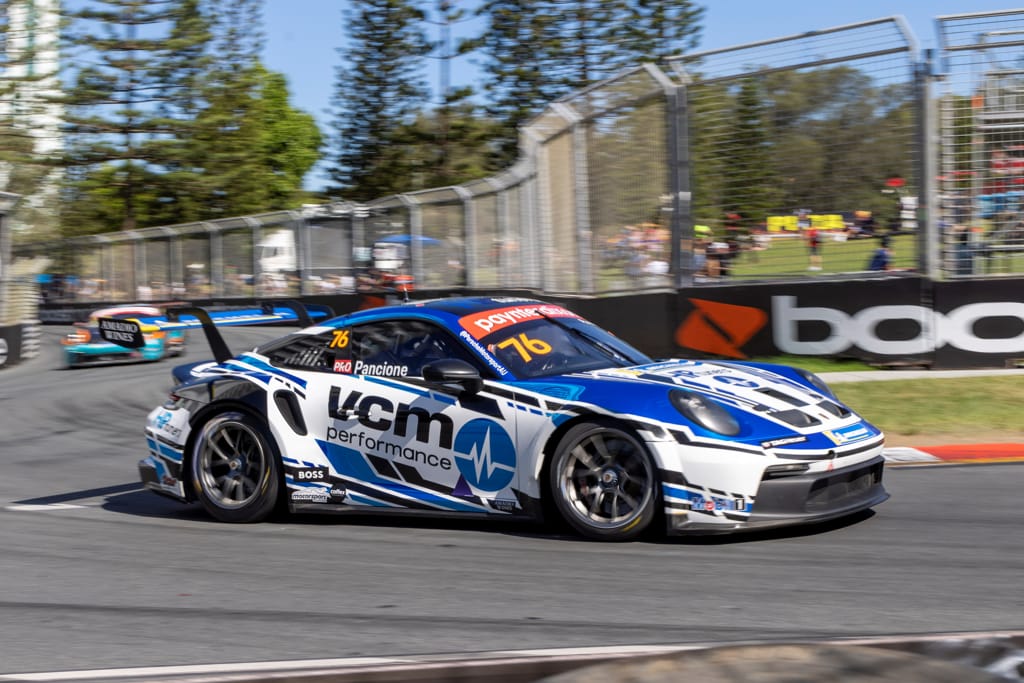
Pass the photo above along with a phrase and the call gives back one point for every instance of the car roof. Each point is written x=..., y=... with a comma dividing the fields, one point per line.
x=115, y=311
x=447, y=311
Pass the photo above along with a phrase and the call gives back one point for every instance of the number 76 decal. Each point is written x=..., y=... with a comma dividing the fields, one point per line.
x=525, y=346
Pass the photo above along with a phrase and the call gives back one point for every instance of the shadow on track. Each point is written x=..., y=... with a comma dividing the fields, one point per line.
x=132, y=499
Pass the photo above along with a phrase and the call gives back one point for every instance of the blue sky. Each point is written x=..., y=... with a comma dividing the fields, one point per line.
x=303, y=35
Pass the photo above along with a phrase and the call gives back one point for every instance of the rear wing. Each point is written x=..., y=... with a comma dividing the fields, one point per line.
x=128, y=332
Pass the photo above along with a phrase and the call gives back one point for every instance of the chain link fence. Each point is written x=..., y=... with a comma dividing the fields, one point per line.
x=981, y=142
x=810, y=156
x=804, y=153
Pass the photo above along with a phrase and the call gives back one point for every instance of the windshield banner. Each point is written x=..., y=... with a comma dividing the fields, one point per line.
x=482, y=324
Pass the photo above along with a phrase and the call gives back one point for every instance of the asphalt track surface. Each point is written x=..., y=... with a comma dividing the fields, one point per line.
x=97, y=573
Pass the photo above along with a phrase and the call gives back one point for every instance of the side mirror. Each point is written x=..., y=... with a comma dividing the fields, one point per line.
x=454, y=371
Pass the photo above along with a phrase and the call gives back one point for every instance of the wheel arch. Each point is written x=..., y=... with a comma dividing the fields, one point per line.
x=543, y=464
x=549, y=508
x=204, y=415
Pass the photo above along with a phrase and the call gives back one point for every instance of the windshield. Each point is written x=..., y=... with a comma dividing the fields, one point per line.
x=555, y=346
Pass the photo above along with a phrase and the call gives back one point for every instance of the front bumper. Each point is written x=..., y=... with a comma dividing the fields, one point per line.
x=797, y=499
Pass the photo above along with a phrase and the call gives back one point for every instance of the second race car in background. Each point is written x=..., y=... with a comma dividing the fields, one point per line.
x=85, y=346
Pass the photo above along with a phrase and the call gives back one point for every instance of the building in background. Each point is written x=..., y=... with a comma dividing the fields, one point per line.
x=30, y=89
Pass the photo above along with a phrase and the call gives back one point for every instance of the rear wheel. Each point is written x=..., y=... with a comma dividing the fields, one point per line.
x=603, y=482
x=235, y=468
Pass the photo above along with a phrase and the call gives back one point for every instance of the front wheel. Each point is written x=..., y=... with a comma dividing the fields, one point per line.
x=603, y=482
x=235, y=469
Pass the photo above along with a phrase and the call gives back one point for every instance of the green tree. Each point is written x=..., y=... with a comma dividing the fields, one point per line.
x=514, y=47
x=290, y=142
x=749, y=182
x=114, y=98
x=378, y=90
x=535, y=51
x=469, y=154
x=655, y=29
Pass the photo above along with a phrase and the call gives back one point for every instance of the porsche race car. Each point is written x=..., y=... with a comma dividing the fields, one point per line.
x=506, y=407
x=84, y=345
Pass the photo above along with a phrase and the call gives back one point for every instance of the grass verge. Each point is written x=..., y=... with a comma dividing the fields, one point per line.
x=929, y=411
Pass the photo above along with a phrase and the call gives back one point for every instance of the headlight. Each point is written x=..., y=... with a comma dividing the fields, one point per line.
x=704, y=412
x=817, y=382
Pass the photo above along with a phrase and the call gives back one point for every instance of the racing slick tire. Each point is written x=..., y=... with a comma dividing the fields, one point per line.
x=234, y=468
x=603, y=482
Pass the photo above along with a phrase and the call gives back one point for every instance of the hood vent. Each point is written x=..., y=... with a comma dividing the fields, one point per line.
x=785, y=398
x=797, y=418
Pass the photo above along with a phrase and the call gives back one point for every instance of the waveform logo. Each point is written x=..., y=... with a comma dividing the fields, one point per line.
x=720, y=329
x=486, y=456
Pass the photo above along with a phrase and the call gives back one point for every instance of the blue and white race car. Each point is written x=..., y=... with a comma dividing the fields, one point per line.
x=506, y=407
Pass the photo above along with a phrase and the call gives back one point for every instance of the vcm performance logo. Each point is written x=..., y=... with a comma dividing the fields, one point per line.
x=486, y=457
x=720, y=329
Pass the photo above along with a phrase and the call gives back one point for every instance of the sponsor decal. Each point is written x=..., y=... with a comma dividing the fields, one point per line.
x=935, y=330
x=498, y=367
x=388, y=449
x=380, y=414
x=311, y=474
x=122, y=332
x=312, y=495
x=380, y=369
x=402, y=421
x=848, y=434
x=486, y=456
x=737, y=381
x=163, y=422
x=338, y=494
x=718, y=328
x=482, y=324
x=775, y=443
x=715, y=503
x=343, y=366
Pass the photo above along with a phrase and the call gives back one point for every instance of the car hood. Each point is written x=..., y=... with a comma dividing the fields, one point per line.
x=769, y=404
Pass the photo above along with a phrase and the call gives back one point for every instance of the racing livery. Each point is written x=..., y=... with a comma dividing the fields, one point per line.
x=499, y=406
x=85, y=346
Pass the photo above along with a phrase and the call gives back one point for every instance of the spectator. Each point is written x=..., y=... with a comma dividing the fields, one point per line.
x=814, y=248
x=881, y=259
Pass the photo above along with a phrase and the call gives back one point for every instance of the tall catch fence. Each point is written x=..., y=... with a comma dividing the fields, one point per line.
x=786, y=159
x=803, y=152
x=980, y=90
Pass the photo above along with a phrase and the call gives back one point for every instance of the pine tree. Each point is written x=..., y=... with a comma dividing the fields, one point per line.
x=535, y=51
x=217, y=178
x=114, y=101
x=378, y=88
x=515, y=46
x=655, y=29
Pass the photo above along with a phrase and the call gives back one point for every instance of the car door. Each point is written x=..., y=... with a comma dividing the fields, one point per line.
x=399, y=441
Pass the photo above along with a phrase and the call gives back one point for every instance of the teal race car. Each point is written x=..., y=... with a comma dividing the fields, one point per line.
x=84, y=345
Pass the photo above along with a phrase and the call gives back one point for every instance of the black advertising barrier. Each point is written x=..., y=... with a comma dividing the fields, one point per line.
x=10, y=345
x=893, y=320
x=890, y=321
x=881, y=320
x=979, y=323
